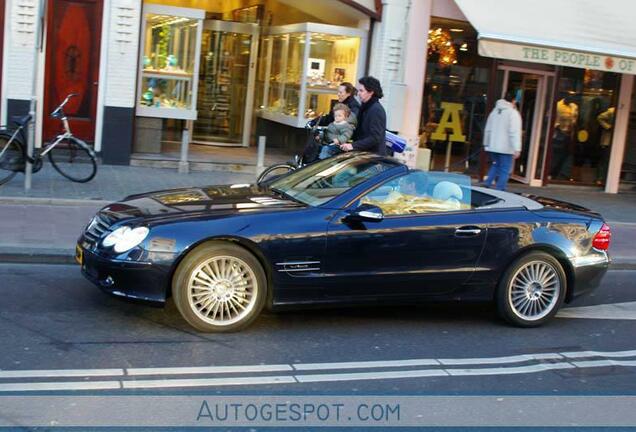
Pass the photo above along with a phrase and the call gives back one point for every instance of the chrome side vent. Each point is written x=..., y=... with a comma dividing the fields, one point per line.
x=299, y=267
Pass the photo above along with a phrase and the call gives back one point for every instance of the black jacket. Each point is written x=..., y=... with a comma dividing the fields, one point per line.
x=370, y=133
x=353, y=105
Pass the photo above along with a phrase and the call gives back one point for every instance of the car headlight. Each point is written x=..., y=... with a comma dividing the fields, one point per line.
x=125, y=238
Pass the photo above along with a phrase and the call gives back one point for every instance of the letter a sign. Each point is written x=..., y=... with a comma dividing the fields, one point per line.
x=450, y=120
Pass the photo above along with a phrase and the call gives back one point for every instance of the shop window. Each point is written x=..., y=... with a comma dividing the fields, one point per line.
x=628, y=169
x=301, y=67
x=171, y=40
x=584, y=125
x=454, y=106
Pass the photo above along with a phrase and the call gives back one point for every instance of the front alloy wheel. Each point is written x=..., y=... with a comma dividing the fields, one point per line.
x=219, y=287
x=532, y=290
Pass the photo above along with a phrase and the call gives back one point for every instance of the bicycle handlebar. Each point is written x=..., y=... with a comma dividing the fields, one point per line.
x=57, y=112
x=70, y=95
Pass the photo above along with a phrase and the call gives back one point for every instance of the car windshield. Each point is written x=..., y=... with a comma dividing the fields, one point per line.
x=318, y=183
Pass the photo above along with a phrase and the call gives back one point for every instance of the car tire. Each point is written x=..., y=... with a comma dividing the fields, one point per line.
x=219, y=287
x=531, y=290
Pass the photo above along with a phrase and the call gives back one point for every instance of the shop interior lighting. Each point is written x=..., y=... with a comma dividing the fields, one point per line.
x=162, y=20
x=440, y=42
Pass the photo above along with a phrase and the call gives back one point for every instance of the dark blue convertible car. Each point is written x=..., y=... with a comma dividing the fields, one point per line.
x=352, y=229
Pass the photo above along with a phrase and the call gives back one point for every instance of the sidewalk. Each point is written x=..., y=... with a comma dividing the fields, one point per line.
x=43, y=225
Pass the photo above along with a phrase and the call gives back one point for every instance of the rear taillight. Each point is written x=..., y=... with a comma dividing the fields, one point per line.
x=602, y=238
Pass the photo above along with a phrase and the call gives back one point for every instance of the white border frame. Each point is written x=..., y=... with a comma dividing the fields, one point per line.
x=253, y=31
x=537, y=123
x=102, y=78
x=619, y=137
x=5, y=37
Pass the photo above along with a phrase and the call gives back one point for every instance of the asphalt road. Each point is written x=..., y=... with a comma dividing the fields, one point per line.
x=57, y=327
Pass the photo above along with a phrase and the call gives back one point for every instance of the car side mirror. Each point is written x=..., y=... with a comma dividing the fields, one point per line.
x=366, y=213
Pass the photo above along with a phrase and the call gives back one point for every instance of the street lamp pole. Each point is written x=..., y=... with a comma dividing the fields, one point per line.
x=37, y=46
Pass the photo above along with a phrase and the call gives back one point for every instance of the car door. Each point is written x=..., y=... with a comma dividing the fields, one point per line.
x=425, y=245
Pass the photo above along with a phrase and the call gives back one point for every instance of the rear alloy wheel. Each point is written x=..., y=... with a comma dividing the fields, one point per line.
x=219, y=287
x=532, y=290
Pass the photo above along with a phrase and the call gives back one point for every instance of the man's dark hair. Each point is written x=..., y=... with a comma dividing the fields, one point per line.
x=510, y=95
x=349, y=88
x=373, y=85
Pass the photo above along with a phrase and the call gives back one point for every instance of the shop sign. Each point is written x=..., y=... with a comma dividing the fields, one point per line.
x=556, y=56
x=450, y=123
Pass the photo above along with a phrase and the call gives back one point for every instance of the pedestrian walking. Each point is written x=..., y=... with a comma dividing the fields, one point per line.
x=502, y=140
x=370, y=132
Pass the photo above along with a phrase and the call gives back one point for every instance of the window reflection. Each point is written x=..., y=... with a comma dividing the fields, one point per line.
x=584, y=123
x=454, y=105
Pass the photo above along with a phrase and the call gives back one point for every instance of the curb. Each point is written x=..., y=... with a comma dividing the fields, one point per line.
x=37, y=258
x=52, y=201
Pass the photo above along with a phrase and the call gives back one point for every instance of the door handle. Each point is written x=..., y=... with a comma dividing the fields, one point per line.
x=468, y=231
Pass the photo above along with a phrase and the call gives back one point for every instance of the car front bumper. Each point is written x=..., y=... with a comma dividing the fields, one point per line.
x=143, y=281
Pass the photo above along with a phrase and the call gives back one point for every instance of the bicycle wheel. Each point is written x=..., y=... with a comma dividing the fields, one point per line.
x=74, y=160
x=275, y=171
x=11, y=158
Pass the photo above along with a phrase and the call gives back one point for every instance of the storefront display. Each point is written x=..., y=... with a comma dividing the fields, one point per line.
x=169, y=62
x=454, y=104
x=584, y=122
x=226, y=83
x=302, y=66
x=628, y=169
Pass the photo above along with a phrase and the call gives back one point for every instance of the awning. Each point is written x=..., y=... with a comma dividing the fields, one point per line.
x=589, y=34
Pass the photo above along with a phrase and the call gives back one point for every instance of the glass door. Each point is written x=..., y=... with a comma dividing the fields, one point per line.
x=226, y=84
x=530, y=89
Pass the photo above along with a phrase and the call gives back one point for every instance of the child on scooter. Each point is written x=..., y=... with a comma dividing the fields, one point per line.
x=338, y=132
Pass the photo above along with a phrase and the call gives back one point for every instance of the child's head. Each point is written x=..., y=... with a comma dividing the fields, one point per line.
x=341, y=112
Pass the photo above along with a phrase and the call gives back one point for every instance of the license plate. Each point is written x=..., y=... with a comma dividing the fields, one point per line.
x=79, y=254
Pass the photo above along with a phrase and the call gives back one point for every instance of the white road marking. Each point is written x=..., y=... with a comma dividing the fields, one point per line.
x=510, y=370
x=125, y=378
x=502, y=360
x=60, y=373
x=366, y=364
x=208, y=382
x=53, y=386
x=579, y=354
x=371, y=375
x=614, y=311
x=208, y=370
x=604, y=363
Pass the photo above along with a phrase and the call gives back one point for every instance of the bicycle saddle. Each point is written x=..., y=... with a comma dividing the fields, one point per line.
x=21, y=120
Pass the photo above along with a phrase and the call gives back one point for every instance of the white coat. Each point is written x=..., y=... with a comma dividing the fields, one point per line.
x=503, y=129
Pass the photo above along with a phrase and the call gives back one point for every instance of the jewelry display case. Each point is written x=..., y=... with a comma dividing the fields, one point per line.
x=301, y=67
x=169, y=62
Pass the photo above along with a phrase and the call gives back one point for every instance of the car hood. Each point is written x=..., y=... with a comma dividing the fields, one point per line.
x=197, y=200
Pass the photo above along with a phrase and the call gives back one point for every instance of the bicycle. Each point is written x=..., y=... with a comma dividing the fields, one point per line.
x=395, y=144
x=72, y=158
x=298, y=161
